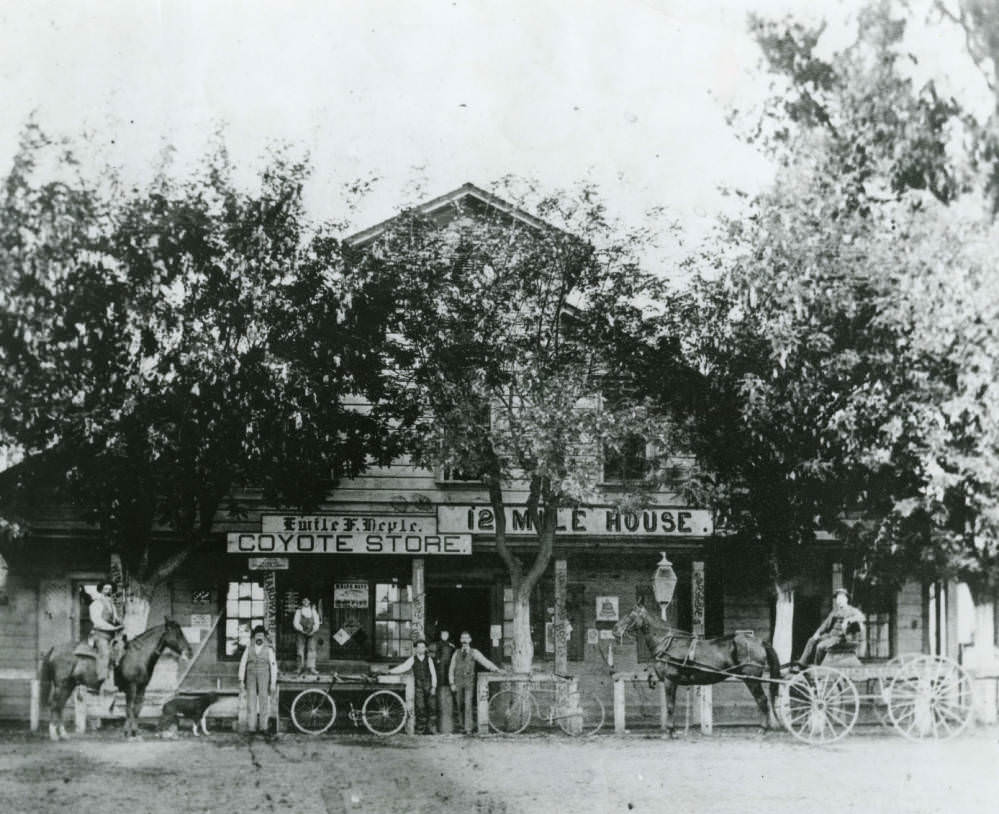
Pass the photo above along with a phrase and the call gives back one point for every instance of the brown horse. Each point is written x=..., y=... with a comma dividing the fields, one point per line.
x=63, y=669
x=683, y=658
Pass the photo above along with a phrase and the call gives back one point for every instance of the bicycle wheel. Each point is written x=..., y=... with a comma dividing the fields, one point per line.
x=510, y=711
x=313, y=711
x=585, y=721
x=383, y=713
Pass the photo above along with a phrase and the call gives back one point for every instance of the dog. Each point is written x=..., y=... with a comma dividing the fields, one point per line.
x=191, y=707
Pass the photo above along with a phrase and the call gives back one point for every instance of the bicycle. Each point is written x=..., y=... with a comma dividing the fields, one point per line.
x=314, y=711
x=511, y=710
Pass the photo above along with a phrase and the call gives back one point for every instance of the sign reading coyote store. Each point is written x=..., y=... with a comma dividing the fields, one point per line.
x=584, y=521
x=348, y=534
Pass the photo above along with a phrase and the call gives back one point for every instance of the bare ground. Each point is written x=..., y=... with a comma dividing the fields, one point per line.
x=341, y=775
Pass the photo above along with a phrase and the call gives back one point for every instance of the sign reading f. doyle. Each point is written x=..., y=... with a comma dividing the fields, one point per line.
x=347, y=534
x=585, y=521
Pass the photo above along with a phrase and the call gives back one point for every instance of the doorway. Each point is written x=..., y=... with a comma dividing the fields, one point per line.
x=460, y=607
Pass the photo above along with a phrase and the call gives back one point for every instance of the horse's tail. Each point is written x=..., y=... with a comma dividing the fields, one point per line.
x=46, y=675
x=773, y=661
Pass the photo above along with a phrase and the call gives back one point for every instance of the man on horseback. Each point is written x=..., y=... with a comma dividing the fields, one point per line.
x=106, y=627
x=844, y=623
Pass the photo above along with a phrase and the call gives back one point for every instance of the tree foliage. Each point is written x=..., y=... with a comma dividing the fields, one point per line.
x=162, y=346
x=512, y=354
x=844, y=331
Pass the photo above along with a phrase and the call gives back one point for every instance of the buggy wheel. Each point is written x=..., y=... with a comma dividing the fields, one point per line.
x=893, y=668
x=510, y=711
x=384, y=713
x=585, y=721
x=313, y=712
x=930, y=698
x=821, y=705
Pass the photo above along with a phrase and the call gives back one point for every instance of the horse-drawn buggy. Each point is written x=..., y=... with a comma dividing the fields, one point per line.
x=920, y=696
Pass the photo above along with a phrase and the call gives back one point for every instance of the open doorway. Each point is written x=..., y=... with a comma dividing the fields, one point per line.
x=456, y=608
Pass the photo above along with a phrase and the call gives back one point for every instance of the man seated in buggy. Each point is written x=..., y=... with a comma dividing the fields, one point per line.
x=844, y=626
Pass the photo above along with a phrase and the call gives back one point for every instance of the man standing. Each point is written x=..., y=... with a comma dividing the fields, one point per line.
x=257, y=677
x=461, y=676
x=445, y=703
x=306, y=624
x=106, y=624
x=844, y=623
x=424, y=686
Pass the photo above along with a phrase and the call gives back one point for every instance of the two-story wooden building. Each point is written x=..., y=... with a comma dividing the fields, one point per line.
x=400, y=549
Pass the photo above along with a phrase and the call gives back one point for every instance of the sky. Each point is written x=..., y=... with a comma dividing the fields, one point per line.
x=421, y=95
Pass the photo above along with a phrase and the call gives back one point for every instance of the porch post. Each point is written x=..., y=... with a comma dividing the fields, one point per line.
x=561, y=631
x=952, y=647
x=419, y=621
x=697, y=620
x=837, y=576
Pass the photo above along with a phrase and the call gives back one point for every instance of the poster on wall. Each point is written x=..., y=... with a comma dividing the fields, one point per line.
x=607, y=609
x=350, y=595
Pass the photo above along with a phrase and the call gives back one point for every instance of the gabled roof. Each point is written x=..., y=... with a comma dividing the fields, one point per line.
x=448, y=206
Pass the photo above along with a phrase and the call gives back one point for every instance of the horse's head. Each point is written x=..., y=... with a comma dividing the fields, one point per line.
x=174, y=639
x=636, y=620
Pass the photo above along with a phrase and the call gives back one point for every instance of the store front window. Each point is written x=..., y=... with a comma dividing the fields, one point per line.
x=393, y=618
x=245, y=607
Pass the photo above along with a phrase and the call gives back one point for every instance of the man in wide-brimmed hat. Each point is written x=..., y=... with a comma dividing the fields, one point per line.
x=844, y=623
x=257, y=676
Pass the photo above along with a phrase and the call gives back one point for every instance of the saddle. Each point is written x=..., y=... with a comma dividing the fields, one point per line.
x=84, y=649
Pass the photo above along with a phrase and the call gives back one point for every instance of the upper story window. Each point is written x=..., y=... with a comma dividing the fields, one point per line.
x=454, y=475
x=475, y=430
x=628, y=462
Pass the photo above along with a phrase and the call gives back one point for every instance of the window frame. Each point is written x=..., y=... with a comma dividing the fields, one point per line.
x=224, y=613
x=873, y=603
x=615, y=479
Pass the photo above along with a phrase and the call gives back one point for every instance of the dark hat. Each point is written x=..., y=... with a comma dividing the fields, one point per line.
x=259, y=629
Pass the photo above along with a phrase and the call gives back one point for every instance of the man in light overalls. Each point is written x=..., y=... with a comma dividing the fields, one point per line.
x=257, y=676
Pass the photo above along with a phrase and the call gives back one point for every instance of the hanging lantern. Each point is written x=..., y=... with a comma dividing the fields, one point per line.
x=664, y=581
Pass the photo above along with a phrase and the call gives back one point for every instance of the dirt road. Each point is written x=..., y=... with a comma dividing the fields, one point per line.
x=409, y=775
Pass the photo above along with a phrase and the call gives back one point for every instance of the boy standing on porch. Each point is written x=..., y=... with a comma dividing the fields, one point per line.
x=306, y=624
x=424, y=686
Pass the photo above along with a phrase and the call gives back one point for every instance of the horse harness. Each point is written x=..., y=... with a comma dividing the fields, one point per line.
x=689, y=662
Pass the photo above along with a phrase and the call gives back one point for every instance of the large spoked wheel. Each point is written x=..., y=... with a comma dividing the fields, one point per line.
x=585, y=721
x=313, y=712
x=821, y=705
x=384, y=713
x=892, y=669
x=930, y=698
x=510, y=711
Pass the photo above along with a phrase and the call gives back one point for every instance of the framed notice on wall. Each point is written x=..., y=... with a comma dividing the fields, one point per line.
x=350, y=595
x=607, y=608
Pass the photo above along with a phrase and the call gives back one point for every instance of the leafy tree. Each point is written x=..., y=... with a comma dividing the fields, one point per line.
x=161, y=347
x=824, y=403
x=511, y=358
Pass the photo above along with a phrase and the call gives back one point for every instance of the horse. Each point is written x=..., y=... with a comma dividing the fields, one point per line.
x=684, y=658
x=63, y=668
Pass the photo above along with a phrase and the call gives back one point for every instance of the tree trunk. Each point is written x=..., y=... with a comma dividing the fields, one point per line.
x=138, y=601
x=140, y=589
x=784, y=622
x=522, y=656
